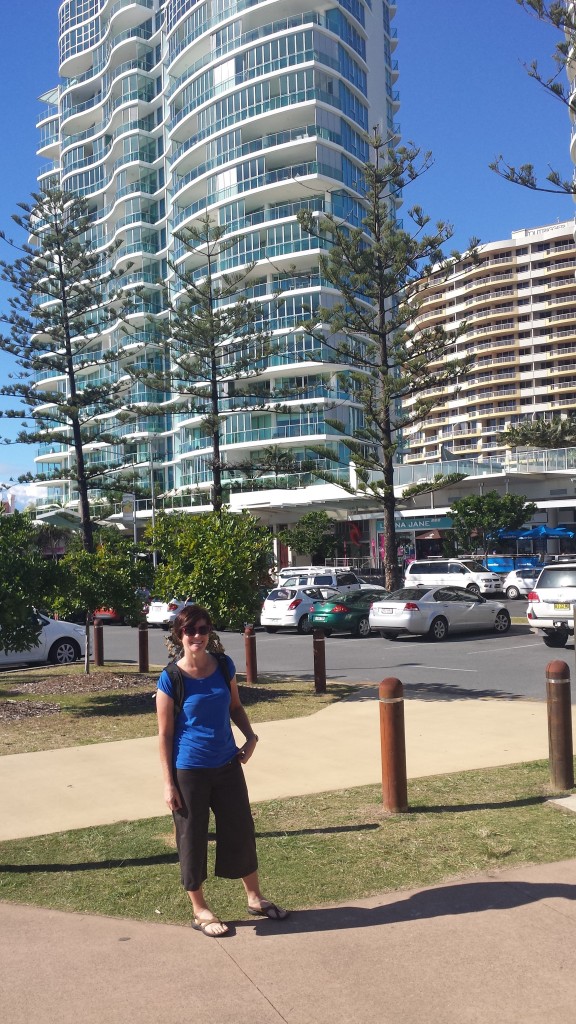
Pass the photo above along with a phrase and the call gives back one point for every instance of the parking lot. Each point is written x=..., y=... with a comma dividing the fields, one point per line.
x=512, y=664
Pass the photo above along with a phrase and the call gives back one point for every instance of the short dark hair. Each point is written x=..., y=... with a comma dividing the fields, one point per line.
x=189, y=616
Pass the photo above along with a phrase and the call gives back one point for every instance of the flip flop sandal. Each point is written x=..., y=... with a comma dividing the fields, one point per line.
x=271, y=911
x=201, y=926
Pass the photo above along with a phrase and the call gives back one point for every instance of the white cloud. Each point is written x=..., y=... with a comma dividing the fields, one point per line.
x=23, y=494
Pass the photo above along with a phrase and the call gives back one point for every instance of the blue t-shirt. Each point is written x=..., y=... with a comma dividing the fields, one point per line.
x=202, y=731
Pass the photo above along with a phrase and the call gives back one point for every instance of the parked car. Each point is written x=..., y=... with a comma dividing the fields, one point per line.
x=453, y=572
x=436, y=612
x=341, y=579
x=59, y=642
x=374, y=583
x=346, y=613
x=551, y=603
x=519, y=582
x=290, y=607
x=162, y=613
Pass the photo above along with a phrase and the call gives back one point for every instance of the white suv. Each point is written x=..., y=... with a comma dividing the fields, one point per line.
x=453, y=572
x=319, y=576
x=551, y=603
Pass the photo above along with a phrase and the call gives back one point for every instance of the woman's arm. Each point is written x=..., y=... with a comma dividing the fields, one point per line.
x=240, y=718
x=165, y=713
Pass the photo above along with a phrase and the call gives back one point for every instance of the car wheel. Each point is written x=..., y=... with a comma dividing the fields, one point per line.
x=557, y=639
x=473, y=588
x=512, y=593
x=438, y=628
x=271, y=629
x=502, y=622
x=304, y=625
x=388, y=634
x=64, y=652
x=362, y=629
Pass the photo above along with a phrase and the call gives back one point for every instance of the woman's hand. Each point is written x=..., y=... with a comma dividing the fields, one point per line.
x=246, y=751
x=172, y=796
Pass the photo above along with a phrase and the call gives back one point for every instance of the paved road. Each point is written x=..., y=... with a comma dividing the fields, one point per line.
x=515, y=663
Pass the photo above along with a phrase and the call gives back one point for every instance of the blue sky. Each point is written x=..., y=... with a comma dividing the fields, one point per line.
x=464, y=92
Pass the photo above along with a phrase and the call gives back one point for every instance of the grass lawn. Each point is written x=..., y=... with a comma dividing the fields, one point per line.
x=317, y=849
x=47, y=707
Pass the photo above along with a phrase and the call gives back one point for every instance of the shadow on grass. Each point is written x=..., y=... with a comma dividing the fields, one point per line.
x=118, y=703
x=172, y=858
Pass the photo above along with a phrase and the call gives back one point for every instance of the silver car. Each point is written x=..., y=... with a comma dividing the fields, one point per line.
x=519, y=582
x=436, y=612
x=551, y=604
x=290, y=607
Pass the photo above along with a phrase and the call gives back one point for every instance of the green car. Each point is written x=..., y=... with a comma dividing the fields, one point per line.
x=347, y=613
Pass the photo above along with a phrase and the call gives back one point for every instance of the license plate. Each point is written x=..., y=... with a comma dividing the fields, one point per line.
x=319, y=618
x=387, y=611
x=560, y=606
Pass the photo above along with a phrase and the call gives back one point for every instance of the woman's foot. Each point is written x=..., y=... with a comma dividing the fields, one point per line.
x=264, y=908
x=208, y=924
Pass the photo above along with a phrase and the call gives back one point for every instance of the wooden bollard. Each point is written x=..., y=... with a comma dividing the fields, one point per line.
x=143, y=655
x=98, y=643
x=250, y=653
x=393, y=746
x=319, y=653
x=559, y=725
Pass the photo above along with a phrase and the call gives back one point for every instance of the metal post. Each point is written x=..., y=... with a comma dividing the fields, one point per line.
x=98, y=643
x=143, y=657
x=250, y=651
x=393, y=746
x=559, y=725
x=319, y=650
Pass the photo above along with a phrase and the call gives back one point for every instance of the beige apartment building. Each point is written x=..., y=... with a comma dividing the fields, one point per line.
x=517, y=300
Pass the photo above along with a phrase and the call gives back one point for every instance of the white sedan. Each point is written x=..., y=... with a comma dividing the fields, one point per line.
x=59, y=642
x=435, y=612
x=290, y=607
x=162, y=613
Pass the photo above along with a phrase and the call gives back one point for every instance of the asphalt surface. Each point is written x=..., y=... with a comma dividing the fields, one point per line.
x=482, y=662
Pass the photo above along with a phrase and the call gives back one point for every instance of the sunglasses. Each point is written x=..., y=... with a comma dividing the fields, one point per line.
x=197, y=630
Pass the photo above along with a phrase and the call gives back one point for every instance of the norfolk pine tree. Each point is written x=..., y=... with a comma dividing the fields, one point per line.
x=64, y=299
x=380, y=269
x=214, y=341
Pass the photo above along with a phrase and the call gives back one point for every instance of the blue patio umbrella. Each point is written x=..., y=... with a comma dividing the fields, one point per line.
x=509, y=534
x=543, y=531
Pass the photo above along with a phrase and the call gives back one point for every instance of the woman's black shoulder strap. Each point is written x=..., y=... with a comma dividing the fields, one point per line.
x=224, y=667
x=175, y=676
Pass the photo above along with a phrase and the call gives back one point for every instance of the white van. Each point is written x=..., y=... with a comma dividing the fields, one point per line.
x=456, y=572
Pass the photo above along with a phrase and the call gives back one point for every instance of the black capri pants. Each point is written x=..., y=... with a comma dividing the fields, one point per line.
x=222, y=790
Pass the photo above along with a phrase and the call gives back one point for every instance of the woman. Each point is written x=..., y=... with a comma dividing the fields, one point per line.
x=202, y=769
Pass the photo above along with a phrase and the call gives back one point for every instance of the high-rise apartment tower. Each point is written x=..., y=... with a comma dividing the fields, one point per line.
x=249, y=110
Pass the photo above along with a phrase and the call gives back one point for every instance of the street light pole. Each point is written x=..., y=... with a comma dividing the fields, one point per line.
x=153, y=507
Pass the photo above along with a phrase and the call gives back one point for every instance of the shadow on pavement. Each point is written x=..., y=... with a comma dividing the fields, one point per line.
x=462, y=898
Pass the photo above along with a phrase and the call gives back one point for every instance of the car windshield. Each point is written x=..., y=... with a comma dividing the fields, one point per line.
x=405, y=594
x=474, y=566
x=556, y=577
x=282, y=594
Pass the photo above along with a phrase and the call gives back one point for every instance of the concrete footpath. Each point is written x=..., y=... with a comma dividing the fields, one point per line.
x=496, y=947
x=337, y=748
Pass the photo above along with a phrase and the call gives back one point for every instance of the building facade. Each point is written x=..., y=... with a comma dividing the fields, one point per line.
x=249, y=111
x=517, y=303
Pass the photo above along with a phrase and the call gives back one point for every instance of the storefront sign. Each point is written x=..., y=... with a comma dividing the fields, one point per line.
x=417, y=523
